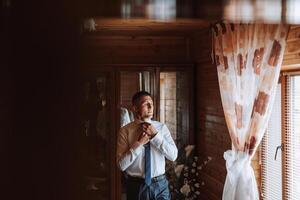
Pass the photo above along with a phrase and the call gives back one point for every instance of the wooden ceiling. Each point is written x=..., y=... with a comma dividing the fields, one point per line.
x=118, y=26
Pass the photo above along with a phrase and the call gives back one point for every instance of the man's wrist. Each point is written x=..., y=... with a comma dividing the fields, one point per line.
x=136, y=145
x=136, y=149
x=153, y=135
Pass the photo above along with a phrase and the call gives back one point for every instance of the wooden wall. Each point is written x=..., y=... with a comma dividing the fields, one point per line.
x=291, y=59
x=212, y=133
x=132, y=49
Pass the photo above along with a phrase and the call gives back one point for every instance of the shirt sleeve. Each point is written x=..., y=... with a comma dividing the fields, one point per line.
x=125, y=154
x=164, y=142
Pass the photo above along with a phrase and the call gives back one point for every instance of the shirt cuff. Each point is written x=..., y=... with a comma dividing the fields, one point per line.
x=157, y=140
x=137, y=150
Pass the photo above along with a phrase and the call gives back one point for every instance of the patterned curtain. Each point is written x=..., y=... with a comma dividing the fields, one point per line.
x=248, y=59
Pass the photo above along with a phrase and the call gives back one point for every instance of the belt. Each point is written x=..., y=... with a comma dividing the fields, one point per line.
x=139, y=179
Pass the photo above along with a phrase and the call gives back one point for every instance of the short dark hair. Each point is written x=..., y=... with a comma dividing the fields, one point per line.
x=136, y=97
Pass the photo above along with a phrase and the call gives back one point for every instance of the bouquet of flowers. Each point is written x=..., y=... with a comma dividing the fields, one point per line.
x=184, y=174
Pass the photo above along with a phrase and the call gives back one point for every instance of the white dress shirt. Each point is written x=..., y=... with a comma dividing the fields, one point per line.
x=125, y=119
x=133, y=160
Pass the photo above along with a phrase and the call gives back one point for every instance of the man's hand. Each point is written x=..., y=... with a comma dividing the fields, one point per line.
x=149, y=129
x=144, y=138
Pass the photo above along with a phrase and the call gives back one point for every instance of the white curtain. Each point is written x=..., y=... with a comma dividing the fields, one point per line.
x=248, y=59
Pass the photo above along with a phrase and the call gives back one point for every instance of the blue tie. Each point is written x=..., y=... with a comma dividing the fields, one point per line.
x=147, y=164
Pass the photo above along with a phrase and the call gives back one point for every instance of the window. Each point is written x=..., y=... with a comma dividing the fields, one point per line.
x=174, y=105
x=281, y=169
x=292, y=138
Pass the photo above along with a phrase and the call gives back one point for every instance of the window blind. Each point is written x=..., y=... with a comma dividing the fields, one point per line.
x=292, y=138
x=271, y=168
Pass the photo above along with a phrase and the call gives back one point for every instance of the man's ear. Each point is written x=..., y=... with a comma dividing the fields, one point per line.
x=134, y=108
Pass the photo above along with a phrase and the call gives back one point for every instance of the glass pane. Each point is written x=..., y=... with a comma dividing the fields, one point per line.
x=271, y=168
x=294, y=148
x=174, y=106
x=182, y=108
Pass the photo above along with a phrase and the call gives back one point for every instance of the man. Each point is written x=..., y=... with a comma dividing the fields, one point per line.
x=142, y=148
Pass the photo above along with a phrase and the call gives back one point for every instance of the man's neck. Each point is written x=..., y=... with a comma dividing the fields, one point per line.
x=143, y=119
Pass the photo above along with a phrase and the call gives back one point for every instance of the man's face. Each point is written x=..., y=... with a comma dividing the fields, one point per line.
x=144, y=107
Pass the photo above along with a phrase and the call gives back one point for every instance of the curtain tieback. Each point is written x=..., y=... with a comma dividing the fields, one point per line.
x=237, y=163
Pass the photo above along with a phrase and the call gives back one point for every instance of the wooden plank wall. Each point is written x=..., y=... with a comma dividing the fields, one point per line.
x=291, y=59
x=126, y=49
x=212, y=134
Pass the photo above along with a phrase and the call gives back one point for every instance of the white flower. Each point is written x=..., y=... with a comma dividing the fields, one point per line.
x=197, y=193
x=195, y=158
x=89, y=24
x=202, y=183
x=185, y=189
x=194, y=164
x=205, y=162
x=193, y=170
x=188, y=149
x=178, y=170
x=209, y=158
x=200, y=167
